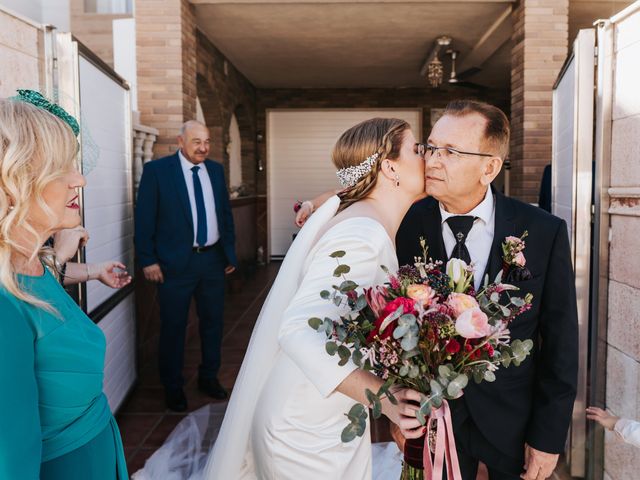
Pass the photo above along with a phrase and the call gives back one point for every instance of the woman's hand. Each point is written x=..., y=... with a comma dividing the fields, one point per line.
x=112, y=274
x=605, y=419
x=67, y=242
x=404, y=413
x=306, y=209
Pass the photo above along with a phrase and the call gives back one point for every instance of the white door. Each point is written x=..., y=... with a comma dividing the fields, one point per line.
x=299, y=144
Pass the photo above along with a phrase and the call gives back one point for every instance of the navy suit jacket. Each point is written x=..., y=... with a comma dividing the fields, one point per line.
x=164, y=229
x=531, y=403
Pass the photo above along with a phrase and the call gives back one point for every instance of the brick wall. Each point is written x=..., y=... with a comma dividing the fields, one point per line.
x=540, y=40
x=224, y=91
x=165, y=38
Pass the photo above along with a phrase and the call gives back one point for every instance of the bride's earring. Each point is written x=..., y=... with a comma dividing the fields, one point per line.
x=397, y=180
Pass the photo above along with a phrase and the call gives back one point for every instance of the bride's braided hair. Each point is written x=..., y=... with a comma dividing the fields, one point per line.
x=378, y=135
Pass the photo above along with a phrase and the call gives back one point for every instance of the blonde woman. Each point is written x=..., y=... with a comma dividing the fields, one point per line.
x=55, y=422
x=287, y=409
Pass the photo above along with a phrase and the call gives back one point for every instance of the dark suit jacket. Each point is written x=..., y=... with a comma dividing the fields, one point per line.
x=164, y=229
x=533, y=402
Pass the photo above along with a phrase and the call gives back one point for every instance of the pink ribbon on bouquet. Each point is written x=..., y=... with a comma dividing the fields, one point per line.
x=445, y=447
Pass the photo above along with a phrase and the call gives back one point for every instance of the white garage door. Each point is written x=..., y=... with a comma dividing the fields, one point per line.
x=299, y=144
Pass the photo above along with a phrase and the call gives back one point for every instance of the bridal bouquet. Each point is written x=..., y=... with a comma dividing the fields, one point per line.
x=426, y=329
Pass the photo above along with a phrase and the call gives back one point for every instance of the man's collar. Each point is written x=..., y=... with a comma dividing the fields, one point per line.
x=483, y=211
x=186, y=164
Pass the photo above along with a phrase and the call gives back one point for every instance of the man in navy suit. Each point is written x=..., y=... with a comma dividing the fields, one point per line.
x=523, y=417
x=185, y=243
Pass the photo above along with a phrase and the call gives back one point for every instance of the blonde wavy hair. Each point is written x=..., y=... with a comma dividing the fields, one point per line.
x=36, y=147
x=378, y=135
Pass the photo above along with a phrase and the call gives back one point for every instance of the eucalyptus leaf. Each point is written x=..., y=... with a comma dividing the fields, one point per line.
x=361, y=303
x=347, y=286
x=348, y=434
x=421, y=417
x=517, y=301
x=444, y=371
x=341, y=270
x=409, y=342
x=414, y=371
x=505, y=311
x=495, y=297
x=327, y=326
x=404, y=370
x=400, y=331
x=436, y=388
x=356, y=411
x=331, y=348
x=489, y=376
x=506, y=361
x=376, y=408
x=338, y=254
x=315, y=323
x=356, y=357
x=325, y=294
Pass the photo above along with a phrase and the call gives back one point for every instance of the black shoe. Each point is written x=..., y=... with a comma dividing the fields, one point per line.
x=175, y=399
x=212, y=387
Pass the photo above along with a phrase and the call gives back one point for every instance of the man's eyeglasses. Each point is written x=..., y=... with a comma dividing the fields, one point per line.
x=424, y=149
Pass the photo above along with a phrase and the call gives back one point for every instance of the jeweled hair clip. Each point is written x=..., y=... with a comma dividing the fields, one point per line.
x=349, y=176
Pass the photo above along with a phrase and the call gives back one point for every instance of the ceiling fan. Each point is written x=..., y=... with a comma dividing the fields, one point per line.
x=458, y=80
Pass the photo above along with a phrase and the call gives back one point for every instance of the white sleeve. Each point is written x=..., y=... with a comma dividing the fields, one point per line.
x=629, y=431
x=298, y=340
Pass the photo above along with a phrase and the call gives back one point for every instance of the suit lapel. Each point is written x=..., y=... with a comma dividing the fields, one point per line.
x=181, y=188
x=432, y=227
x=504, y=226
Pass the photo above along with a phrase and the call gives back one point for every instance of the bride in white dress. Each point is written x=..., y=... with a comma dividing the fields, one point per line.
x=286, y=412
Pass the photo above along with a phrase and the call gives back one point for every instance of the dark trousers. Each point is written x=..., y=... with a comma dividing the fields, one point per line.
x=203, y=280
x=473, y=447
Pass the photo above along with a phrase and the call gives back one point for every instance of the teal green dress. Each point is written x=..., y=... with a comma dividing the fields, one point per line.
x=55, y=422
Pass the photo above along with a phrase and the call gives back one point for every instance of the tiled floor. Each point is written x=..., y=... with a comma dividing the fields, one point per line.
x=144, y=420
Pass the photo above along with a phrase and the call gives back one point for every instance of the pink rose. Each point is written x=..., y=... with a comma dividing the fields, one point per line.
x=473, y=323
x=461, y=302
x=423, y=294
x=514, y=240
x=519, y=259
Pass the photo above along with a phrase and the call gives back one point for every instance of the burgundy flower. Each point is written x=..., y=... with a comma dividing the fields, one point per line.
x=408, y=307
x=452, y=347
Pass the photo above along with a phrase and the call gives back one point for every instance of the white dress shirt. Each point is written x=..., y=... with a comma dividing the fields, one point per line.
x=213, y=234
x=480, y=237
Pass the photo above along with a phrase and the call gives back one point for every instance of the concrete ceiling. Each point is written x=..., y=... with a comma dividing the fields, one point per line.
x=341, y=44
x=367, y=43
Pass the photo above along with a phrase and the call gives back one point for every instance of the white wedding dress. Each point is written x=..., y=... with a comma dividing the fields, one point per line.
x=284, y=417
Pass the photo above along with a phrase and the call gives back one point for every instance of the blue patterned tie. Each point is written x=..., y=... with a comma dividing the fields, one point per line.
x=201, y=231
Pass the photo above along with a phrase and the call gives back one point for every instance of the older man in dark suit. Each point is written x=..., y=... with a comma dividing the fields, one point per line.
x=522, y=418
x=185, y=243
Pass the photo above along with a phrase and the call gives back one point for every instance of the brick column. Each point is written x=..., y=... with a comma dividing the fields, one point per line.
x=540, y=41
x=165, y=37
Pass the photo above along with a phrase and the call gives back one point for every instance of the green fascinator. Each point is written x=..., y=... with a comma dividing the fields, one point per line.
x=37, y=99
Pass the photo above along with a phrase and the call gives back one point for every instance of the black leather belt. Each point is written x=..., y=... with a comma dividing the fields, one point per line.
x=205, y=248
